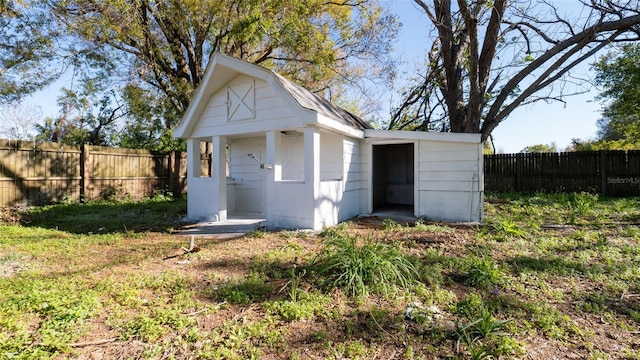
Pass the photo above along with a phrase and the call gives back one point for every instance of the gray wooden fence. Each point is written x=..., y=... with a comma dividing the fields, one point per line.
x=611, y=173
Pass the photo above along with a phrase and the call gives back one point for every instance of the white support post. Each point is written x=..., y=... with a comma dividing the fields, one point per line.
x=416, y=178
x=219, y=174
x=193, y=158
x=274, y=141
x=312, y=170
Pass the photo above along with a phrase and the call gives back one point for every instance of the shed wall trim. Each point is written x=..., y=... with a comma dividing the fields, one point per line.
x=421, y=135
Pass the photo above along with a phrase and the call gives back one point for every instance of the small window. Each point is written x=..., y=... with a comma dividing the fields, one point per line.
x=206, y=159
x=206, y=152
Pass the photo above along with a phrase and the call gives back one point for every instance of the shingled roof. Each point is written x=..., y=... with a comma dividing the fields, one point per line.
x=311, y=101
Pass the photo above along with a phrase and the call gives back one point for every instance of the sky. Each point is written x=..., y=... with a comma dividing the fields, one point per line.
x=540, y=123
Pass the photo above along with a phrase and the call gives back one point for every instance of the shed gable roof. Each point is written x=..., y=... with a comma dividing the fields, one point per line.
x=312, y=101
x=223, y=68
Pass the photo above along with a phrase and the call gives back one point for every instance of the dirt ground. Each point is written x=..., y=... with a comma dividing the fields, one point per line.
x=230, y=256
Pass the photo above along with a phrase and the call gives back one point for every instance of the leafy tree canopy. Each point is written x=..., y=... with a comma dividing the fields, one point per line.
x=618, y=73
x=159, y=49
x=598, y=144
x=26, y=47
x=540, y=148
x=618, y=76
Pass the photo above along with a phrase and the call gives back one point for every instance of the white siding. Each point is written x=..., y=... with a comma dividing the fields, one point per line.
x=331, y=159
x=328, y=203
x=290, y=205
x=352, y=169
x=350, y=206
x=365, y=177
x=336, y=195
x=196, y=209
x=339, y=200
x=449, y=181
x=450, y=205
x=292, y=157
x=290, y=201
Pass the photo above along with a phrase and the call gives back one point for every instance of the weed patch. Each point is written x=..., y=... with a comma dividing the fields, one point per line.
x=483, y=336
x=253, y=289
x=484, y=273
x=299, y=307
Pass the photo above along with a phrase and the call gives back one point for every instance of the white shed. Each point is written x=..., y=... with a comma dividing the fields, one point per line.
x=282, y=153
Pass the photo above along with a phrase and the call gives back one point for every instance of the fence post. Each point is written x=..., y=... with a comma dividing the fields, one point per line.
x=83, y=168
x=172, y=166
x=85, y=172
x=603, y=172
x=518, y=165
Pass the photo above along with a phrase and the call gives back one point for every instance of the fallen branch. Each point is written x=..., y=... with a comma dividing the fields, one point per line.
x=629, y=296
x=194, y=313
x=82, y=344
x=243, y=312
x=91, y=343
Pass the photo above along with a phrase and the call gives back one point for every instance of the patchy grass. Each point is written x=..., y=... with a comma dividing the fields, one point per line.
x=546, y=276
x=158, y=214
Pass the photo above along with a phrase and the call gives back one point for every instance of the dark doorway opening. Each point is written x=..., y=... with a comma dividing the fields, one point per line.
x=393, y=177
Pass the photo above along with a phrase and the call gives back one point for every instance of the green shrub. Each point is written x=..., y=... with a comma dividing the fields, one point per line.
x=361, y=266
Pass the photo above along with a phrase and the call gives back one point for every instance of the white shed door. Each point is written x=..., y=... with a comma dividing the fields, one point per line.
x=250, y=179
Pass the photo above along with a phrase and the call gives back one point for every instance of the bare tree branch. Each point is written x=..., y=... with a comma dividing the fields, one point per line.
x=492, y=57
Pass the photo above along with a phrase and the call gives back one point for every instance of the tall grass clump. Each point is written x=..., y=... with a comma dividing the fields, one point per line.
x=484, y=273
x=363, y=266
